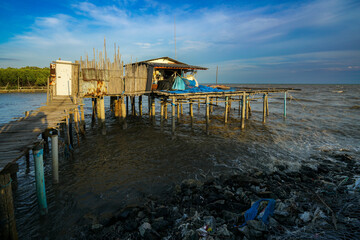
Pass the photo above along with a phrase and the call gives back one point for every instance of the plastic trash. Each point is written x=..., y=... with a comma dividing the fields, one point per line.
x=252, y=212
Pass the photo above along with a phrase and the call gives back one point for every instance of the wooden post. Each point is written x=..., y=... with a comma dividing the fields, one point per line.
x=229, y=107
x=173, y=116
x=153, y=113
x=83, y=125
x=7, y=216
x=112, y=103
x=94, y=108
x=12, y=169
x=47, y=90
x=123, y=112
x=116, y=108
x=71, y=119
x=68, y=141
x=76, y=121
x=264, y=108
x=55, y=155
x=199, y=105
x=27, y=113
x=226, y=109
x=162, y=110
x=191, y=112
x=127, y=105
x=178, y=110
x=243, y=111
x=165, y=109
x=247, y=107
x=149, y=105
x=133, y=111
x=98, y=109
x=39, y=178
x=211, y=105
x=239, y=105
x=140, y=105
x=267, y=105
x=102, y=116
x=27, y=161
x=181, y=109
x=123, y=108
x=207, y=114
x=44, y=136
x=284, y=104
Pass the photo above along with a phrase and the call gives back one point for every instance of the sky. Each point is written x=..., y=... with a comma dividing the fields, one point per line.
x=250, y=41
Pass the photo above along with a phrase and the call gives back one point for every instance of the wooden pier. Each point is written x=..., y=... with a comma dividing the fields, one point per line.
x=17, y=139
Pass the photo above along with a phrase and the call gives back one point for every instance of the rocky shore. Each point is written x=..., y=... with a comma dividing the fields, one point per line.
x=317, y=202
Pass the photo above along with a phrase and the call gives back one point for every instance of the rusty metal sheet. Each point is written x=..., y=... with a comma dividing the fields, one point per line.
x=93, y=88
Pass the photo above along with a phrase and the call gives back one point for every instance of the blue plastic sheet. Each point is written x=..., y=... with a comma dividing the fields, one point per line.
x=201, y=88
x=179, y=84
x=252, y=212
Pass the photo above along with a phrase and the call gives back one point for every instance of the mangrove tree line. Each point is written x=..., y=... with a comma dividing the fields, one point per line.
x=24, y=77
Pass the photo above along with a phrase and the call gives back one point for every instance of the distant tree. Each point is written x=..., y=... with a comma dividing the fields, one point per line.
x=27, y=76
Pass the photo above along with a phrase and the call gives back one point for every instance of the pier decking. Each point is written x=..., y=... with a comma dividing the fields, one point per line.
x=20, y=136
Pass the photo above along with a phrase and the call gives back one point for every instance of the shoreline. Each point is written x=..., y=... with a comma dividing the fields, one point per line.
x=35, y=90
x=321, y=202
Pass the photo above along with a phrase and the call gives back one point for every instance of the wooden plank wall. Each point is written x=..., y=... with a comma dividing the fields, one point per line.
x=135, y=78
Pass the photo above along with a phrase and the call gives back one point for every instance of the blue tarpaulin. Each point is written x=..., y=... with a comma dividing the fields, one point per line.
x=252, y=212
x=201, y=88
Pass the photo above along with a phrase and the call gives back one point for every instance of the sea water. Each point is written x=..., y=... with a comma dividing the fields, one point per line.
x=109, y=172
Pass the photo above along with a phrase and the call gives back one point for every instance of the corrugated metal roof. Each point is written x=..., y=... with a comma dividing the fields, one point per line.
x=175, y=66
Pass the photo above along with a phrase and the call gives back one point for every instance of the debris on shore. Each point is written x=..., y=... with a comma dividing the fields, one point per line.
x=319, y=202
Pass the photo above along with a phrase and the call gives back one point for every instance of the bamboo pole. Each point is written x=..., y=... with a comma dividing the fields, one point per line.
x=267, y=105
x=173, y=116
x=207, y=114
x=226, y=109
x=247, y=107
x=243, y=111
x=264, y=108
x=284, y=104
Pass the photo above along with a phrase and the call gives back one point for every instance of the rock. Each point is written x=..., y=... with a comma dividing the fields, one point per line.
x=191, y=183
x=222, y=231
x=160, y=224
x=257, y=225
x=245, y=230
x=305, y=217
x=239, y=191
x=191, y=235
x=141, y=215
x=96, y=227
x=230, y=216
x=162, y=211
x=145, y=226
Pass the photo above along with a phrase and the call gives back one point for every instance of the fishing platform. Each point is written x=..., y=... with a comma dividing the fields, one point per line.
x=70, y=83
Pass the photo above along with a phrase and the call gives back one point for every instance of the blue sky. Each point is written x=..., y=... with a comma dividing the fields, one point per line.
x=251, y=41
